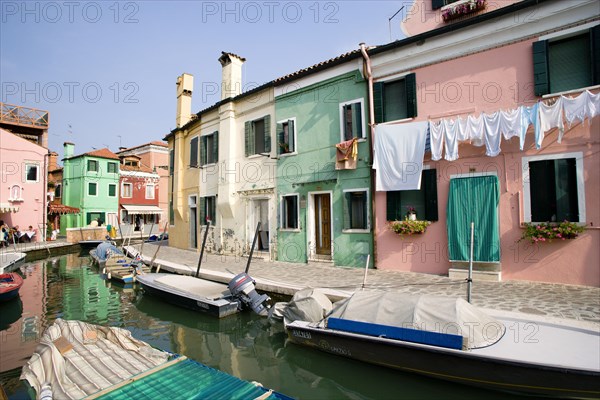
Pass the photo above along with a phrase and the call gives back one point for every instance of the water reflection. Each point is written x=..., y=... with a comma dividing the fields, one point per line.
x=244, y=345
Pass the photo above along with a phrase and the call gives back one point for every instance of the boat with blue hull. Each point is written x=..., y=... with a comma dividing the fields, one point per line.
x=449, y=339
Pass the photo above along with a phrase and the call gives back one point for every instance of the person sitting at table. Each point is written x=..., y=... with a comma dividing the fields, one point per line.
x=29, y=234
x=4, y=229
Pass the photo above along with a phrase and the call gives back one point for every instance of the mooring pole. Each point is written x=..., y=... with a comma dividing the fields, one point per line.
x=252, y=248
x=470, y=278
x=202, y=249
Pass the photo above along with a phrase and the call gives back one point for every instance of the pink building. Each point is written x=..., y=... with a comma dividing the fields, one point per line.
x=22, y=184
x=509, y=92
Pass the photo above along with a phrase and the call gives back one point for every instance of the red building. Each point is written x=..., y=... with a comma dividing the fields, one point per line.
x=138, y=194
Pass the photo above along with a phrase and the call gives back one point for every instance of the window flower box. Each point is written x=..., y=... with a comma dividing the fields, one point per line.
x=547, y=231
x=460, y=8
x=409, y=227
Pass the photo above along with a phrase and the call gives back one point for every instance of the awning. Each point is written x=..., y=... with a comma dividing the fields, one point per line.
x=142, y=210
x=8, y=208
x=62, y=209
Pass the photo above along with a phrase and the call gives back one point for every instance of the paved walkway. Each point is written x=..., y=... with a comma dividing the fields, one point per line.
x=580, y=303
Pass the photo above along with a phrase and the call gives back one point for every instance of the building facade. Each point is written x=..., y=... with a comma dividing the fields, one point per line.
x=90, y=183
x=510, y=92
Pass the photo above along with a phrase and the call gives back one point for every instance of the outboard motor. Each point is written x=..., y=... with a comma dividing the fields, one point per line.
x=242, y=287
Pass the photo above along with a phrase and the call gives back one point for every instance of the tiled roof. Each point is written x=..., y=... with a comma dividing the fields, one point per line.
x=62, y=209
x=153, y=143
x=319, y=66
x=136, y=169
x=102, y=153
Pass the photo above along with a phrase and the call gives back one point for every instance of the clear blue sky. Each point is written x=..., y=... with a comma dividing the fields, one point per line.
x=108, y=69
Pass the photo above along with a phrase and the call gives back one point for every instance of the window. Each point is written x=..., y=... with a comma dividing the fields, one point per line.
x=112, y=190
x=92, y=189
x=396, y=99
x=356, y=205
x=286, y=136
x=31, y=172
x=435, y=4
x=424, y=201
x=567, y=63
x=92, y=166
x=112, y=168
x=58, y=191
x=208, y=209
x=351, y=120
x=149, y=191
x=194, y=152
x=553, y=188
x=127, y=190
x=258, y=136
x=94, y=216
x=209, y=149
x=289, y=211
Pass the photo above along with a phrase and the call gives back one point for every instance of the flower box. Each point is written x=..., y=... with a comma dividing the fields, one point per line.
x=409, y=227
x=548, y=231
x=460, y=8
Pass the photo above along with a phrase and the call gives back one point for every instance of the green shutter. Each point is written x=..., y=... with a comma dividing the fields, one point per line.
x=294, y=212
x=202, y=211
x=595, y=44
x=347, y=210
x=203, y=150
x=378, y=101
x=279, y=129
x=249, y=135
x=435, y=4
x=357, y=120
x=429, y=185
x=292, y=135
x=541, y=77
x=411, y=95
x=267, y=133
x=393, y=210
x=215, y=148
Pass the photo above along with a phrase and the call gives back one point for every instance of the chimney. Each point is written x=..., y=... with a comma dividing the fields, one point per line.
x=69, y=149
x=52, y=161
x=185, y=85
x=231, y=84
x=122, y=148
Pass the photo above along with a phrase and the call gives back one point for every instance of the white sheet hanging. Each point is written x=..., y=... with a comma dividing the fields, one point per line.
x=475, y=129
x=450, y=139
x=399, y=151
x=436, y=139
x=593, y=104
x=576, y=108
x=526, y=120
x=492, y=134
x=550, y=116
x=510, y=123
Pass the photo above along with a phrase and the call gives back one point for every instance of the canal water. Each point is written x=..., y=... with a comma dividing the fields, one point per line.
x=243, y=345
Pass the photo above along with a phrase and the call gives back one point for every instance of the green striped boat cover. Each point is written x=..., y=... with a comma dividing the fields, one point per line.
x=189, y=379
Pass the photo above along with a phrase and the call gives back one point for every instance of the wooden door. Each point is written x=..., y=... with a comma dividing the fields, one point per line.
x=323, y=224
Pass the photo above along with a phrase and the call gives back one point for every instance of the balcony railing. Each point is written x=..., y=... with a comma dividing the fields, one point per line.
x=23, y=116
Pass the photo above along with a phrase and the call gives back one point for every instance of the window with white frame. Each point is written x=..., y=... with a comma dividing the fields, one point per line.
x=32, y=172
x=92, y=189
x=553, y=188
x=289, y=211
x=127, y=190
x=112, y=190
x=351, y=120
x=286, y=136
x=150, y=191
x=356, y=209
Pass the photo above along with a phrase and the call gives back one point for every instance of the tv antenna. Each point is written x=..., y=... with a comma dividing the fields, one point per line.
x=390, y=21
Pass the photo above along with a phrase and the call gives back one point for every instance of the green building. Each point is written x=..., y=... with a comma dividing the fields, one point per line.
x=90, y=183
x=324, y=204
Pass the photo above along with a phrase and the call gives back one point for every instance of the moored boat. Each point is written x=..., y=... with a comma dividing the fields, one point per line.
x=9, y=260
x=10, y=283
x=78, y=360
x=447, y=338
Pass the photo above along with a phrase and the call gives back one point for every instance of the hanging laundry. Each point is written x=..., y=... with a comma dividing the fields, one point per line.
x=576, y=108
x=475, y=129
x=593, y=104
x=399, y=151
x=550, y=116
x=526, y=120
x=510, y=123
x=346, y=154
x=462, y=134
x=492, y=134
x=436, y=134
x=450, y=139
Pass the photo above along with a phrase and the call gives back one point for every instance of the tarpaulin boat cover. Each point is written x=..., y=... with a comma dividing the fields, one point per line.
x=424, y=312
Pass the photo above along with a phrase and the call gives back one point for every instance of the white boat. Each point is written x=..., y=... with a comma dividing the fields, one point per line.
x=448, y=338
x=77, y=360
x=8, y=260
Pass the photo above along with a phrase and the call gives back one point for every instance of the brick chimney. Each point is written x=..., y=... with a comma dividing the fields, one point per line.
x=52, y=161
x=185, y=85
x=231, y=84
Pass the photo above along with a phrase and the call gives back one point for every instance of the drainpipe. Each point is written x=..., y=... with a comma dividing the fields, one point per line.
x=369, y=73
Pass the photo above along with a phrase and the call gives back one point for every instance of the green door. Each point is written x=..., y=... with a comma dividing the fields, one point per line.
x=474, y=199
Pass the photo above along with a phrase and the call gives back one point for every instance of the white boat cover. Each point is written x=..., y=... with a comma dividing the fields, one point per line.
x=79, y=359
x=424, y=312
x=308, y=304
